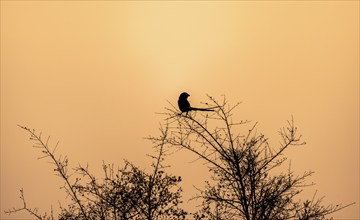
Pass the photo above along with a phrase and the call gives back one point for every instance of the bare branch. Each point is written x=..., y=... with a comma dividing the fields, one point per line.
x=60, y=165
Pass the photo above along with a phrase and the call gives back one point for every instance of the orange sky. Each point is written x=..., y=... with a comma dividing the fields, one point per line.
x=92, y=75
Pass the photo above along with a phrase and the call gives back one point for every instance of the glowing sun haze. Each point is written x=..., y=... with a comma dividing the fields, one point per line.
x=92, y=74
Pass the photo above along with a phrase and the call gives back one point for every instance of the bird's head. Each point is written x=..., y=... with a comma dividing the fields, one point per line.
x=184, y=95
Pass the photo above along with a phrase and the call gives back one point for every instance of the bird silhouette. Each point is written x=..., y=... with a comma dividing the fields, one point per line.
x=184, y=104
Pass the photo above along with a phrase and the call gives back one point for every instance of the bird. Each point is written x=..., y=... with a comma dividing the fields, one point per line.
x=184, y=104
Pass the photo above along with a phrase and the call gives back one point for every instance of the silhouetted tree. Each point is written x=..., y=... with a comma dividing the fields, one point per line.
x=244, y=184
x=126, y=193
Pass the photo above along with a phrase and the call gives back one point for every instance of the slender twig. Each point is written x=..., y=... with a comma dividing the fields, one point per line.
x=61, y=167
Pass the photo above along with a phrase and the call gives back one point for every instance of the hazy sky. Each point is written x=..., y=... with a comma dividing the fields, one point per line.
x=92, y=74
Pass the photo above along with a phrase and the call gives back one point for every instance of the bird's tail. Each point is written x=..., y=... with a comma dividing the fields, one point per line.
x=202, y=109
